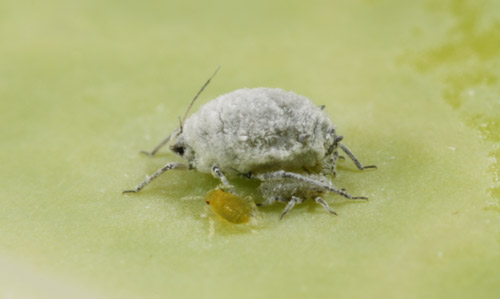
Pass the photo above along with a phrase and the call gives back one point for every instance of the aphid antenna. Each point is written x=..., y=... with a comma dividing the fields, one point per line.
x=180, y=125
x=197, y=95
x=181, y=120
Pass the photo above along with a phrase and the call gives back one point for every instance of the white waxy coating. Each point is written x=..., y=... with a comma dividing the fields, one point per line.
x=259, y=129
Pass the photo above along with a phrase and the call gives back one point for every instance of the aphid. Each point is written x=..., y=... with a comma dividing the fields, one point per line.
x=229, y=206
x=268, y=134
x=293, y=191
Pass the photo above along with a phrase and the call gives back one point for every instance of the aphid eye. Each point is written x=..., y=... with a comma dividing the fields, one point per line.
x=178, y=149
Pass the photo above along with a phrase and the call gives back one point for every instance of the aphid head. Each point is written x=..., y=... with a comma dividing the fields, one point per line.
x=180, y=147
x=177, y=145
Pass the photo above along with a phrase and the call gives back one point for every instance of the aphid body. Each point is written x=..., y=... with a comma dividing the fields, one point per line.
x=257, y=130
x=269, y=134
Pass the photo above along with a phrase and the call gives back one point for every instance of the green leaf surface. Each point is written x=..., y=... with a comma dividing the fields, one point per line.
x=412, y=86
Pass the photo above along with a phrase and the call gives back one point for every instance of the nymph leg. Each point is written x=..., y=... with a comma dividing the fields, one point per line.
x=168, y=166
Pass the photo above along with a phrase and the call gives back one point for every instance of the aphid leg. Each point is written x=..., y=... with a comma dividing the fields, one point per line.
x=158, y=147
x=332, y=155
x=216, y=172
x=354, y=159
x=333, y=167
x=271, y=200
x=281, y=174
x=325, y=205
x=330, y=163
x=335, y=158
x=168, y=166
x=290, y=205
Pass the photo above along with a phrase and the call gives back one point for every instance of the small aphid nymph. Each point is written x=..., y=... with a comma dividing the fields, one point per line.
x=275, y=136
x=229, y=206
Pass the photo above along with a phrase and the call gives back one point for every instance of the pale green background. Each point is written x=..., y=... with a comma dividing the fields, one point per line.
x=85, y=85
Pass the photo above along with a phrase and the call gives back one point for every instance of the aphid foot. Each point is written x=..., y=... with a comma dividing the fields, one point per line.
x=147, y=153
x=168, y=166
x=130, y=191
x=158, y=147
x=290, y=205
x=360, y=197
x=320, y=201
